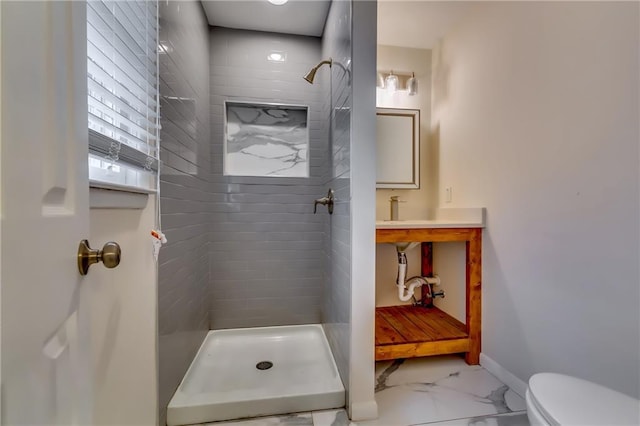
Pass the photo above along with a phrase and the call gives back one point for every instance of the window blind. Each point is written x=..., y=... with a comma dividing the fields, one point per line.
x=122, y=71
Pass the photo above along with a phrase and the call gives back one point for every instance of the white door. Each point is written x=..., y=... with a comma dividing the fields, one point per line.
x=45, y=361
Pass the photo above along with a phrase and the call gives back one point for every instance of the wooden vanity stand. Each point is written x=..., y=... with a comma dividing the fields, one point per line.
x=414, y=331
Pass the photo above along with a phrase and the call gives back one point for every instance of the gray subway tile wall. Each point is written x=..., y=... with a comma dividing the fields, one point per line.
x=183, y=283
x=266, y=250
x=336, y=306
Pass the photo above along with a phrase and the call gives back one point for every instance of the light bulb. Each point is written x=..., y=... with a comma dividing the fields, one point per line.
x=391, y=82
x=412, y=85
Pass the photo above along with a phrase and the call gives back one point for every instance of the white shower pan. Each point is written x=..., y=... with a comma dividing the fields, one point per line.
x=251, y=372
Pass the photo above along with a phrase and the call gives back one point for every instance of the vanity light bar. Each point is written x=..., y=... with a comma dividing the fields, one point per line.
x=391, y=81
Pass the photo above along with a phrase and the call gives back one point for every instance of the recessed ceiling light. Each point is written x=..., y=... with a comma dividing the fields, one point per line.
x=277, y=56
x=278, y=2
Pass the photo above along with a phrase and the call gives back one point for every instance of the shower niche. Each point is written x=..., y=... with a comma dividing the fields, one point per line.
x=269, y=140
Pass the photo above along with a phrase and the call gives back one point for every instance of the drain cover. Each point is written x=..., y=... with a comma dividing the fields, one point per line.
x=264, y=365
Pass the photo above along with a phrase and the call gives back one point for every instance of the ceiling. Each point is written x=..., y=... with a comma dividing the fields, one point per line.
x=407, y=23
x=302, y=17
x=418, y=24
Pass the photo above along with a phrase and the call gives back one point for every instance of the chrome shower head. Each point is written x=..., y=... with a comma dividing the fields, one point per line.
x=312, y=74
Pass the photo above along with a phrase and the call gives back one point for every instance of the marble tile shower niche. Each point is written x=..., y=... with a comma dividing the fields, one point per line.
x=268, y=140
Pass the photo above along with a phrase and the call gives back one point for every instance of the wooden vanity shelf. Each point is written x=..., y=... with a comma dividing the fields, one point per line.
x=413, y=331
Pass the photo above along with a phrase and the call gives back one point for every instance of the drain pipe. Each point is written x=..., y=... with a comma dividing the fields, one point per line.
x=406, y=287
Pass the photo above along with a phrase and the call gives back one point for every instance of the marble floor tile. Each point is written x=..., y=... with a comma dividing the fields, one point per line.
x=435, y=389
x=298, y=419
x=331, y=418
x=515, y=419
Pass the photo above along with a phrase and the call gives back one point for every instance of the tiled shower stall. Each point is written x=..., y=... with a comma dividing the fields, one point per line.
x=248, y=251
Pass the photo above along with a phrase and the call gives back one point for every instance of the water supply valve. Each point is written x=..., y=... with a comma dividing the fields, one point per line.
x=437, y=294
x=325, y=201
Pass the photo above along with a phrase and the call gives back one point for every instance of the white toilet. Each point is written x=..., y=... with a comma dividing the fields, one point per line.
x=559, y=400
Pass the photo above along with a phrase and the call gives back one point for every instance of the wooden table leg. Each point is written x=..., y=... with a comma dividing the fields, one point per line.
x=474, y=296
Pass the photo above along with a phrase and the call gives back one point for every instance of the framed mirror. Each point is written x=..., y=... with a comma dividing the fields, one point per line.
x=398, y=144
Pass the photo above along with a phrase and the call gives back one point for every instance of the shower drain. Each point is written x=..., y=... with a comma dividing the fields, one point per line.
x=264, y=365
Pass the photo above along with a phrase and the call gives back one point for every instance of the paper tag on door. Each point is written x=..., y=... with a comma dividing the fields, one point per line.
x=158, y=239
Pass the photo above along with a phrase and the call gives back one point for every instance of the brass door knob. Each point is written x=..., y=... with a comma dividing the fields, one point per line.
x=109, y=256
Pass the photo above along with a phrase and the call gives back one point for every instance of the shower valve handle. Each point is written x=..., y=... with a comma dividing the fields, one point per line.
x=325, y=201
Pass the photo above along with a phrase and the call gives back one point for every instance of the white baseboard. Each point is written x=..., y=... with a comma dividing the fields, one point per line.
x=366, y=410
x=505, y=376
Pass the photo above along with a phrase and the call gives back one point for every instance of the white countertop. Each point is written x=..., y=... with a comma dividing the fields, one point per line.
x=443, y=218
x=414, y=224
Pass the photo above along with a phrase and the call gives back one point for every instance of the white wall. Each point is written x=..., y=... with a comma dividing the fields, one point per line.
x=535, y=107
x=404, y=60
x=362, y=404
x=124, y=331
